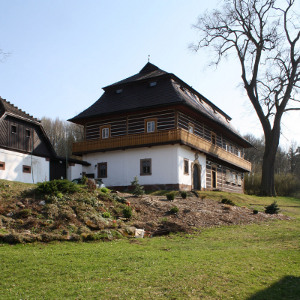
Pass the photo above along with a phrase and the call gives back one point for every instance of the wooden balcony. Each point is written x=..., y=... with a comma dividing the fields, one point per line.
x=158, y=138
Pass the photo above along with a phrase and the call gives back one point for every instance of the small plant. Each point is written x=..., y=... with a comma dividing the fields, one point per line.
x=228, y=201
x=171, y=196
x=57, y=187
x=138, y=189
x=104, y=190
x=174, y=210
x=255, y=211
x=272, y=208
x=127, y=212
x=106, y=215
x=183, y=194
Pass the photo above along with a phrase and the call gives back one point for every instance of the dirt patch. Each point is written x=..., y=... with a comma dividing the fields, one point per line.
x=153, y=214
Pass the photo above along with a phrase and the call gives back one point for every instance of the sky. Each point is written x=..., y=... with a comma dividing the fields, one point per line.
x=63, y=52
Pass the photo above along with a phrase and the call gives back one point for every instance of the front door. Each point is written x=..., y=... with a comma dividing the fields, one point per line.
x=196, y=177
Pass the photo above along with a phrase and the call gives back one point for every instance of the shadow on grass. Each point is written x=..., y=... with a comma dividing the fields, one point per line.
x=286, y=288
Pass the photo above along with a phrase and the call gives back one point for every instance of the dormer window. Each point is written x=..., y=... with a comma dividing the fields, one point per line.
x=153, y=83
x=119, y=91
x=105, y=132
x=150, y=125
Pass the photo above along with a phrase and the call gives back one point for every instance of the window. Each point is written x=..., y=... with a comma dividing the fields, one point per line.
x=145, y=166
x=191, y=128
x=213, y=138
x=228, y=176
x=153, y=83
x=239, y=154
x=27, y=133
x=214, y=177
x=186, y=166
x=105, y=132
x=2, y=165
x=119, y=91
x=102, y=170
x=14, y=129
x=150, y=125
x=239, y=180
x=26, y=169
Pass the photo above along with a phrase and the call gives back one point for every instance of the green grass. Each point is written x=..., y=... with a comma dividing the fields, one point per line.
x=220, y=263
x=257, y=261
x=288, y=205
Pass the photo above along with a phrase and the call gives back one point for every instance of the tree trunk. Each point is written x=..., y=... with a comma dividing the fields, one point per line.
x=267, y=187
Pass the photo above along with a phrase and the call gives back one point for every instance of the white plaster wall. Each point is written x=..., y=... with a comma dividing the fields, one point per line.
x=186, y=153
x=74, y=172
x=124, y=165
x=14, y=161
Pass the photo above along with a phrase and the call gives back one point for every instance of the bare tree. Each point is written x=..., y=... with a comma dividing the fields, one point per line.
x=62, y=134
x=265, y=38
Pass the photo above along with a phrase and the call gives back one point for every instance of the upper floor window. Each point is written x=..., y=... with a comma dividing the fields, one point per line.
x=145, y=166
x=13, y=129
x=105, y=132
x=150, y=125
x=213, y=138
x=119, y=91
x=27, y=133
x=191, y=128
x=153, y=83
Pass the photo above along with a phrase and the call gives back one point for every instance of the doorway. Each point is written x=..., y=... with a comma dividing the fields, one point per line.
x=196, y=177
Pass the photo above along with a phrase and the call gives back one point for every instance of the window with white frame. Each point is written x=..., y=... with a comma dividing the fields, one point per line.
x=105, y=133
x=150, y=125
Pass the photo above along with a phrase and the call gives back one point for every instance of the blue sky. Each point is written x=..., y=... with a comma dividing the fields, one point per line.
x=62, y=52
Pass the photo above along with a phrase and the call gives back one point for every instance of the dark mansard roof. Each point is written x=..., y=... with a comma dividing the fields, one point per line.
x=135, y=93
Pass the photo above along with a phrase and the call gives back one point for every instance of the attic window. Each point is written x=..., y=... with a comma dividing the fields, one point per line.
x=153, y=83
x=119, y=91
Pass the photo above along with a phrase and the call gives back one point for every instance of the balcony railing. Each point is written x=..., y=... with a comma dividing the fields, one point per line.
x=162, y=137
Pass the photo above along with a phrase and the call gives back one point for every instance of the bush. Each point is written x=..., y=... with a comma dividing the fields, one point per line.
x=171, y=196
x=91, y=184
x=138, y=189
x=285, y=184
x=127, y=212
x=104, y=190
x=57, y=187
x=183, y=194
x=106, y=214
x=174, y=210
x=272, y=208
x=228, y=201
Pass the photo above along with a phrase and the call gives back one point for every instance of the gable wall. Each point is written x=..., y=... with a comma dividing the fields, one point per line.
x=18, y=141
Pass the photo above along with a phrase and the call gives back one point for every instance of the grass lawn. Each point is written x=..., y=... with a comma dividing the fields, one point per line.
x=258, y=261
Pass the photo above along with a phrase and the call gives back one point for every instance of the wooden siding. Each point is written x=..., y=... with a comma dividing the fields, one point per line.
x=19, y=140
x=202, y=130
x=222, y=184
x=161, y=137
x=132, y=124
